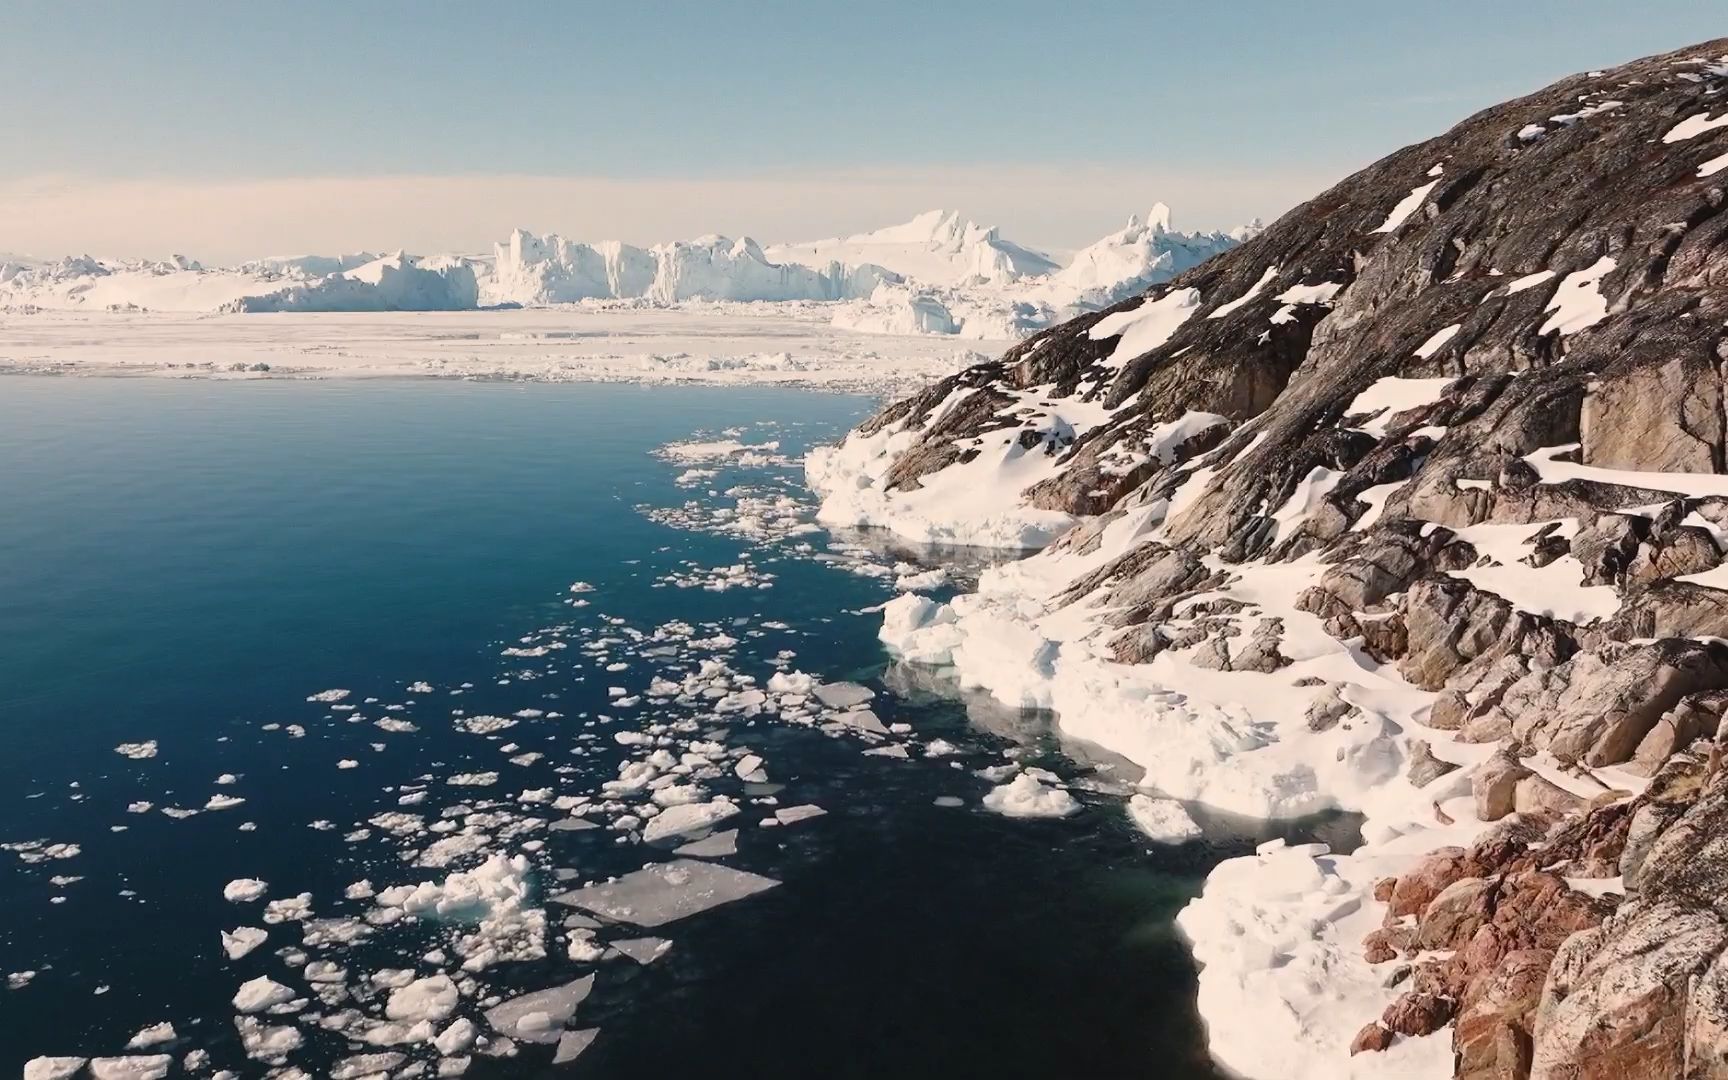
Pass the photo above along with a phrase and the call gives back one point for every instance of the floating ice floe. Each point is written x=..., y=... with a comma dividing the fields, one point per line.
x=711, y=847
x=53, y=1068
x=1163, y=820
x=791, y=815
x=540, y=1017
x=687, y=818
x=242, y=940
x=137, y=751
x=256, y=995
x=132, y=1067
x=662, y=894
x=1026, y=796
x=154, y=1035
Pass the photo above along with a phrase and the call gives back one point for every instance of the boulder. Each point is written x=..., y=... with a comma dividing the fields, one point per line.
x=1426, y=880
x=1424, y=768
x=1539, y=795
x=1685, y=549
x=1372, y=1038
x=1494, y=786
x=1261, y=653
x=1606, y=546
x=1451, y=918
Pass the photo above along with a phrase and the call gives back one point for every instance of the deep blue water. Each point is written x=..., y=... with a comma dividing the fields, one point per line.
x=187, y=561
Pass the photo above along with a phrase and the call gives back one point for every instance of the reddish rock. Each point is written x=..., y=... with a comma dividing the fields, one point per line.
x=1386, y=943
x=1451, y=918
x=1438, y=869
x=1383, y=889
x=1418, y=1013
x=1373, y=1038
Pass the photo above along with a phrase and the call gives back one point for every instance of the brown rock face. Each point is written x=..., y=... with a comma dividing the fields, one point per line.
x=1416, y=889
x=1455, y=914
x=1372, y=1038
x=1666, y=417
x=1491, y=1039
x=1418, y=1014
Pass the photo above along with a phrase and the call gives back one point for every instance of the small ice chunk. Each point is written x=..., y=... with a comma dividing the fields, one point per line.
x=688, y=817
x=1163, y=820
x=721, y=843
x=328, y=696
x=154, y=1035
x=572, y=1043
x=643, y=950
x=137, y=751
x=431, y=998
x=53, y=1068
x=863, y=720
x=242, y=941
x=362, y=1066
x=259, y=994
x=750, y=770
x=244, y=890
x=459, y=1036
x=657, y=895
x=132, y=1067
x=1025, y=796
x=789, y=815
x=949, y=800
x=842, y=695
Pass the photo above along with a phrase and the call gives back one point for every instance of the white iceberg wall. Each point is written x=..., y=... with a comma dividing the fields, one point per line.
x=394, y=283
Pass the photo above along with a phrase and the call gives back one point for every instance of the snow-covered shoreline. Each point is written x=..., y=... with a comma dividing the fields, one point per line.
x=1278, y=935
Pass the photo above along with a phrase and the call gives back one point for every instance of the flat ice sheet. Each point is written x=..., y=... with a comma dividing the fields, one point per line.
x=711, y=847
x=658, y=895
x=714, y=344
x=540, y=1016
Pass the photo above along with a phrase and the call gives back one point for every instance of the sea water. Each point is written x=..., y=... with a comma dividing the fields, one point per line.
x=186, y=563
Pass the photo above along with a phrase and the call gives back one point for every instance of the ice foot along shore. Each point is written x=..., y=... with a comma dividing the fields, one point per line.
x=1415, y=505
x=412, y=728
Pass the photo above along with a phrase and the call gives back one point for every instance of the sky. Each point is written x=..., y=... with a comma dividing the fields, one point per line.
x=229, y=131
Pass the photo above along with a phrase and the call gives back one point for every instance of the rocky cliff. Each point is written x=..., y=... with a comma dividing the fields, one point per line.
x=1415, y=503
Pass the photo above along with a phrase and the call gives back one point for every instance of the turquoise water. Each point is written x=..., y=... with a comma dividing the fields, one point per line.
x=186, y=562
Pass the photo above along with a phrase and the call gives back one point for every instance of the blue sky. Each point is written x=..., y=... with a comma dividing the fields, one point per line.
x=1224, y=110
